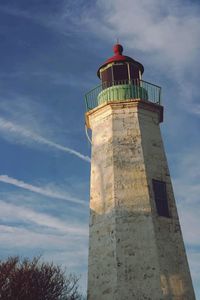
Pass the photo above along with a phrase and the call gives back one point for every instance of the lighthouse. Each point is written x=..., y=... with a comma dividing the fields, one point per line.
x=136, y=249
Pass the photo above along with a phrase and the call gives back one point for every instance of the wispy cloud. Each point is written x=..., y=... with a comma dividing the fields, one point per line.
x=190, y=221
x=9, y=127
x=165, y=33
x=70, y=250
x=13, y=236
x=14, y=11
x=187, y=187
x=55, y=20
x=45, y=191
x=10, y=212
x=56, y=78
x=36, y=17
x=187, y=191
x=157, y=27
x=195, y=263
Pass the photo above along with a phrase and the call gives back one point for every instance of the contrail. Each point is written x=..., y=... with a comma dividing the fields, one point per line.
x=19, y=130
x=45, y=191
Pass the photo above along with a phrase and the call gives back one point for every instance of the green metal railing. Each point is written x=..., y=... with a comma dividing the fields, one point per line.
x=123, y=90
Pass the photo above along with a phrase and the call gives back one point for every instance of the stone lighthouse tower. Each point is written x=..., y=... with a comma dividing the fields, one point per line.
x=136, y=249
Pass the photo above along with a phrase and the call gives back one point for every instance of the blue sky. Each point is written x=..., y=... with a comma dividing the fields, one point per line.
x=50, y=52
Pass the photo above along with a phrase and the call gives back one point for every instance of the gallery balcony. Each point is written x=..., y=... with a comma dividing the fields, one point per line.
x=123, y=91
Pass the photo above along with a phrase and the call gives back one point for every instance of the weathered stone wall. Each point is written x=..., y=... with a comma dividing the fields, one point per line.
x=133, y=253
x=174, y=270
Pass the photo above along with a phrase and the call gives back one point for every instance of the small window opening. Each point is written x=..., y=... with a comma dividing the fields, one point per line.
x=160, y=194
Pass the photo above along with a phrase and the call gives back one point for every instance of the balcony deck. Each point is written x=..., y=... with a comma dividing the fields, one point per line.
x=123, y=91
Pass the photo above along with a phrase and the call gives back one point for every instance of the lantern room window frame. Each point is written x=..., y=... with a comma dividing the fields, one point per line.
x=128, y=65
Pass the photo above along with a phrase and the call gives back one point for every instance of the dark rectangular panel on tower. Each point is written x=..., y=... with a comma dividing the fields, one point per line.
x=160, y=193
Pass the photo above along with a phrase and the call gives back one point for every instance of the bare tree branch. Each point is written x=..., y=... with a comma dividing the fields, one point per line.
x=36, y=280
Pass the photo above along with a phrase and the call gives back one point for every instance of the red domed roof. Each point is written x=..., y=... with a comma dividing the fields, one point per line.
x=117, y=57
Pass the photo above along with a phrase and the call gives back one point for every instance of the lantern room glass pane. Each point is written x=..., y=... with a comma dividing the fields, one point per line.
x=120, y=72
x=106, y=77
x=134, y=72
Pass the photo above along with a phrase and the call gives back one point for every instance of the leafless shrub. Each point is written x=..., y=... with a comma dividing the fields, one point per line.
x=35, y=280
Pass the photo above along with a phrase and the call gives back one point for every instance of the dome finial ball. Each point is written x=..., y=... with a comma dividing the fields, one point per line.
x=118, y=49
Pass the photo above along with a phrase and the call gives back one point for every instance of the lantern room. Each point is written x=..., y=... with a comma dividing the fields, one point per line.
x=121, y=81
x=119, y=69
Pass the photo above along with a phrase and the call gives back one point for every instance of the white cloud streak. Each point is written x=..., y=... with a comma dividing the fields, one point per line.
x=45, y=191
x=13, y=236
x=11, y=212
x=25, y=134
